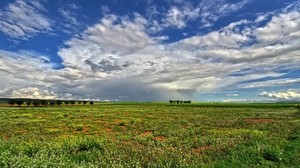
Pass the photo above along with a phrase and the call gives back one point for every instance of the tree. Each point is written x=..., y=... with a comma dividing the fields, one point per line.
x=11, y=102
x=91, y=102
x=19, y=102
x=84, y=102
x=58, y=102
x=28, y=102
x=72, y=102
x=171, y=101
x=67, y=102
x=44, y=102
x=36, y=102
x=79, y=102
x=52, y=103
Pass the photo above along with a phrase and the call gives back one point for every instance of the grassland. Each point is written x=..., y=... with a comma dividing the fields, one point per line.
x=150, y=135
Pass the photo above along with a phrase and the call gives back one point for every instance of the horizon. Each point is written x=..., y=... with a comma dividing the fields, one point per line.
x=143, y=51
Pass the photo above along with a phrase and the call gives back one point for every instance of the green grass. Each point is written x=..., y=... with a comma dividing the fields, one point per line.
x=150, y=135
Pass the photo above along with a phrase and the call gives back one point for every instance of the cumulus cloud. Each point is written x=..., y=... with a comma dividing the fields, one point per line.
x=116, y=59
x=200, y=64
x=34, y=93
x=282, y=95
x=24, y=19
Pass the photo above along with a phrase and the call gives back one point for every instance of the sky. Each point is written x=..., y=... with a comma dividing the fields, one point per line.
x=150, y=50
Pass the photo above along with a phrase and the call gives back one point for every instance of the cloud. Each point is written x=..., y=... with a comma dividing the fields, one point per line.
x=180, y=13
x=117, y=59
x=34, y=93
x=24, y=19
x=270, y=83
x=178, y=17
x=69, y=23
x=211, y=11
x=282, y=95
x=283, y=26
x=105, y=42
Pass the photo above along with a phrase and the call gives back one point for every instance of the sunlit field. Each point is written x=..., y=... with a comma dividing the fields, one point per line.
x=150, y=135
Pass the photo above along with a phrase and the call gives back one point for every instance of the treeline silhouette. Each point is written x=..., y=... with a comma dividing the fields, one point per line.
x=180, y=101
x=38, y=102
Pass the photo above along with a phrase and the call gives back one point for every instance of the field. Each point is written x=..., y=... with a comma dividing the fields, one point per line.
x=150, y=135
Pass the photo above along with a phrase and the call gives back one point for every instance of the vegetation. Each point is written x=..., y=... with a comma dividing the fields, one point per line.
x=28, y=102
x=36, y=102
x=58, y=102
x=180, y=101
x=19, y=102
x=11, y=102
x=150, y=135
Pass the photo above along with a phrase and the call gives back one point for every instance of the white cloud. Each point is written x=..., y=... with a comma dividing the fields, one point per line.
x=282, y=95
x=178, y=17
x=34, y=93
x=106, y=42
x=281, y=27
x=117, y=59
x=211, y=11
x=24, y=19
x=270, y=83
x=69, y=21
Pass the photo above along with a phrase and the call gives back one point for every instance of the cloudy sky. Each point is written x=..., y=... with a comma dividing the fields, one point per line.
x=150, y=50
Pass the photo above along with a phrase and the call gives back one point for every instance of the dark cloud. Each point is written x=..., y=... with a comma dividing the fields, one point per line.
x=103, y=66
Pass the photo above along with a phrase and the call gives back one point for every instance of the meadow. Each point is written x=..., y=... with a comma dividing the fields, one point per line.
x=150, y=135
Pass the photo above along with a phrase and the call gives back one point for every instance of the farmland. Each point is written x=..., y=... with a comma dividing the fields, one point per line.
x=150, y=135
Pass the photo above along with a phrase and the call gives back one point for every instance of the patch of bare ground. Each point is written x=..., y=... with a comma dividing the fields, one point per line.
x=86, y=130
x=159, y=138
x=147, y=133
x=259, y=121
x=201, y=149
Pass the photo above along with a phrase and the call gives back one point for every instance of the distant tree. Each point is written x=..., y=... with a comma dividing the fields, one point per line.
x=28, y=102
x=44, y=102
x=72, y=102
x=52, y=103
x=58, y=102
x=36, y=102
x=91, y=102
x=177, y=101
x=19, y=102
x=67, y=102
x=11, y=102
x=79, y=102
x=84, y=102
x=171, y=101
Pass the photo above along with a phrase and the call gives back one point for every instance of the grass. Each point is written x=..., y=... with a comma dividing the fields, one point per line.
x=150, y=135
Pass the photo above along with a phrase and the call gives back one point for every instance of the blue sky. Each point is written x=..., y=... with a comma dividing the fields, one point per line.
x=148, y=50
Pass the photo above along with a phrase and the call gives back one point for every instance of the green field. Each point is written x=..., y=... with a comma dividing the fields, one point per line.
x=150, y=135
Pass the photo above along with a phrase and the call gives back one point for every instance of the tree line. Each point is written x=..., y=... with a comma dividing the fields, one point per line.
x=180, y=101
x=36, y=103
